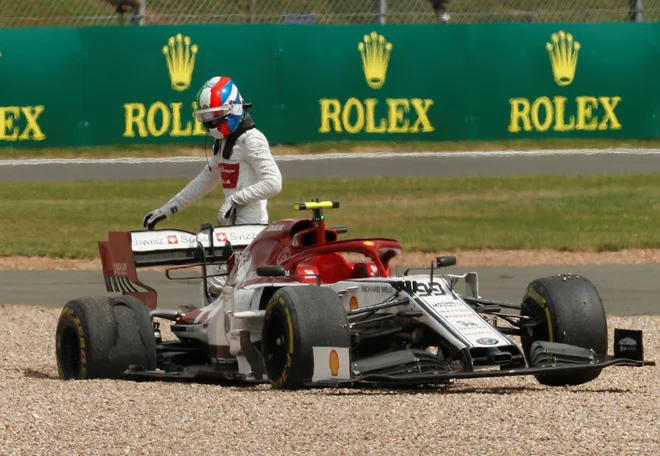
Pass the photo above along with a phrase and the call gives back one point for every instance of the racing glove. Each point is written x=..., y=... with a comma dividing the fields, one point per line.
x=155, y=216
x=227, y=213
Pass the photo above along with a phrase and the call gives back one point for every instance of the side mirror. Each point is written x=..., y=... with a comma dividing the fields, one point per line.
x=340, y=229
x=446, y=261
x=271, y=271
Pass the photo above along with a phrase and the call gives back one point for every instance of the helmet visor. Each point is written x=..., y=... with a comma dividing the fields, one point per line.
x=212, y=117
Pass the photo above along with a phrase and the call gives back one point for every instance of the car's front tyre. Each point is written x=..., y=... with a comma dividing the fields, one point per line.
x=298, y=319
x=566, y=309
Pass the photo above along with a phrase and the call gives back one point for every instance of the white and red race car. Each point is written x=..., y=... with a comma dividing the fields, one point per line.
x=300, y=308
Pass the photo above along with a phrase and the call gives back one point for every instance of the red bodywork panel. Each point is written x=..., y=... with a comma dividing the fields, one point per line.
x=304, y=247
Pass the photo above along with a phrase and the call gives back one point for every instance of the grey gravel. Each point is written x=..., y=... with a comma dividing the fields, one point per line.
x=617, y=414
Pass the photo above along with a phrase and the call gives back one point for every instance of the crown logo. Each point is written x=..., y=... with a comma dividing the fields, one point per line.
x=180, y=58
x=375, y=53
x=563, y=56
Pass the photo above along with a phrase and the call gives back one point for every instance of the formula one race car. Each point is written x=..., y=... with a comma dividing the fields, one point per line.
x=301, y=308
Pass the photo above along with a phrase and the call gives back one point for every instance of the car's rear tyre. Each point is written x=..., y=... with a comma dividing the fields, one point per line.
x=298, y=319
x=565, y=309
x=100, y=337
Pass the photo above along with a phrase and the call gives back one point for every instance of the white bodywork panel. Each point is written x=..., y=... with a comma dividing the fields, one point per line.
x=331, y=363
x=441, y=307
x=163, y=240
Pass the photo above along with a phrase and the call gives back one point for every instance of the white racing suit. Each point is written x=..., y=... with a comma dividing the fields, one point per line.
x=250, y=176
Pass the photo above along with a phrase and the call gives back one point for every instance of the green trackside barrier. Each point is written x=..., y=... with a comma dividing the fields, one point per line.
x=136, y=85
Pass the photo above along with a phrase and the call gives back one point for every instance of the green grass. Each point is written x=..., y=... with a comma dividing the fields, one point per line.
x=429, y=214
x=330, y=146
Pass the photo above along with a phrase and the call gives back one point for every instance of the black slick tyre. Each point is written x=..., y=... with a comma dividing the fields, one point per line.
x=100, y=337
x=298, y=319
x=566, y=309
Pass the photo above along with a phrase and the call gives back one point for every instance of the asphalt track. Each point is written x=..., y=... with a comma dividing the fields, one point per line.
x=566, y=162
x=625, y=289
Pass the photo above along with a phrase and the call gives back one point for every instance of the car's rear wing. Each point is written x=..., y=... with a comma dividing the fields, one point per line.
x=126, y=251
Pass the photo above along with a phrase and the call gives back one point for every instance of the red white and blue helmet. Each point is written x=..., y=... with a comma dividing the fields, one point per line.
x=220, y=107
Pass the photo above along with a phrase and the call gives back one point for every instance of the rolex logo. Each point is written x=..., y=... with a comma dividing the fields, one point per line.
x=563, y=56
x=375, y=53
x=180, y=57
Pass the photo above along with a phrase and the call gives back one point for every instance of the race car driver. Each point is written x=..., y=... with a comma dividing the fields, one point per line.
x=241, y=160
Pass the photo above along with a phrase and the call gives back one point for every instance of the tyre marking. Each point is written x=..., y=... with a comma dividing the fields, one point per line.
x=83, y=351
x=289, y=355
x=537, y=298
x=290, y=323
x=81, y=338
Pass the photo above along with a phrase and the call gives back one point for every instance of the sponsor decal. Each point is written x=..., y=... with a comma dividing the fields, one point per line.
x=444, y=307
x=628, y=342
x=421, y=289
x=540, y=300
x=377, y=114
x=334, y=363
x=120, y=268
x=487, y=341
x=430, y=289
x=137, y=242
x=457, y=315
x=557, y=112
x=241, y=236
x=20, y=123
x=451, y=312
x=192, y=239
x=279, y=227
x=227, y=323
x=449, y=306
x=330, y=363
x=536, y=297
x=466, y=323
x=229, y=172
x=477, y=332
x=180, y=56
x=158, y=118
x=154, y=241
x=376, y=289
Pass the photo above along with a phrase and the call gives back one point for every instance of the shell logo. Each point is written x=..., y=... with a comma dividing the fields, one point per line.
x=334, y=363
x=353, y=303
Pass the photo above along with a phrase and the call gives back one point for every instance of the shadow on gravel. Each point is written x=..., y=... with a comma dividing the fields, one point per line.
x=39, y=375
x=449, y=389
x=524, y=389
x=370, y=390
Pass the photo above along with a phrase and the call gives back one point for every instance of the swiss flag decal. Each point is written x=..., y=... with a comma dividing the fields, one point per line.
x=172, y=240
x=221, y=237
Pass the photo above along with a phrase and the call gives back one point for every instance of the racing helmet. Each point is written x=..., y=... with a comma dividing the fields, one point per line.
x=220, y=107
